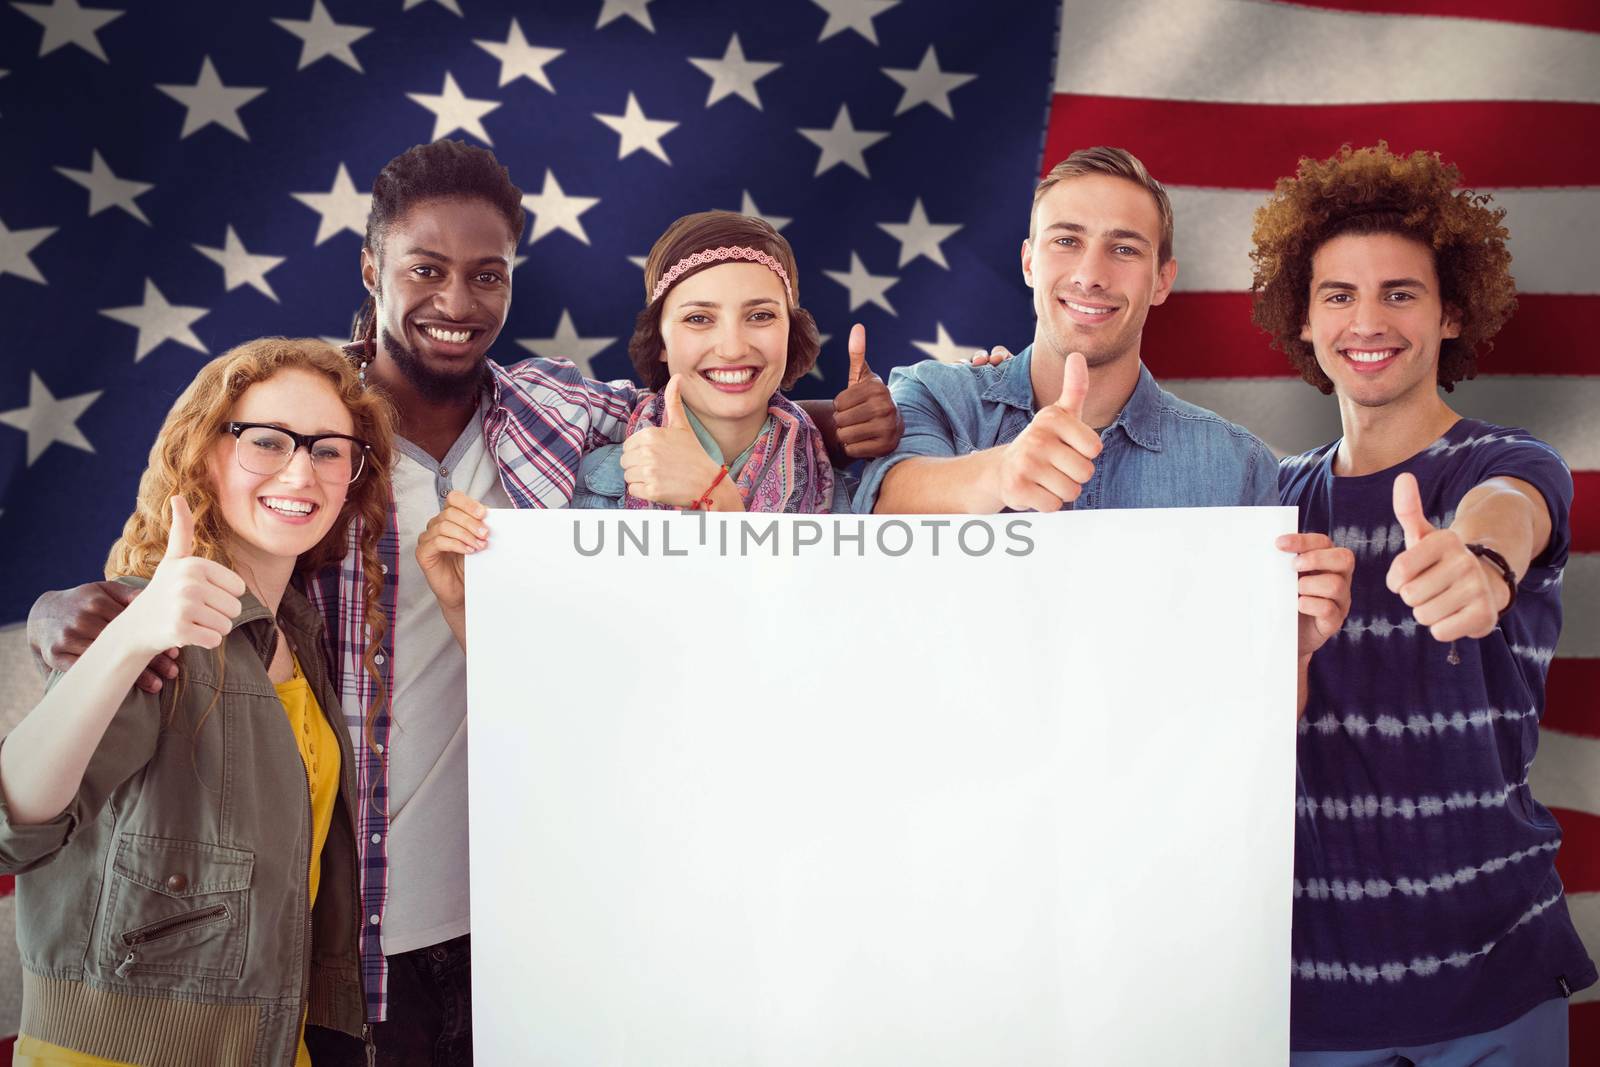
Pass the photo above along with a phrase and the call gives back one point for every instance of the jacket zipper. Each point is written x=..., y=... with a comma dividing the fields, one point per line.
x=170, y=928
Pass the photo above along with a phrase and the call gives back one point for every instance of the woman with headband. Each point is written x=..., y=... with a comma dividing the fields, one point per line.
x=720, y=339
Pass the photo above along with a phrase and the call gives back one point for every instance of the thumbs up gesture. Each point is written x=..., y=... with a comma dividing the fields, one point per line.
x=1448, y=589
x=666, y=464
x=189, y=601
x=1052, y=459
x=868, y=421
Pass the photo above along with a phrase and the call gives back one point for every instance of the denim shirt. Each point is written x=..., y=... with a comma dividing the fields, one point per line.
x=1161, y=452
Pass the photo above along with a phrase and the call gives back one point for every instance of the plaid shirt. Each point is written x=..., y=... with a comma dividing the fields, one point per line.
x=543, y=416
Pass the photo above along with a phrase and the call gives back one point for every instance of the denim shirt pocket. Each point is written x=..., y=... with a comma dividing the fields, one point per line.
x=176, y=907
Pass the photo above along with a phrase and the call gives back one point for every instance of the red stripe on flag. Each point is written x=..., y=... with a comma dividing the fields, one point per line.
x=1586, y=518
x=8, y=884
x=1583, y=1039
x=1251, y=146
x=1578, y=861
x=1560, y=14
x=1210, y=335
x=1572, y=698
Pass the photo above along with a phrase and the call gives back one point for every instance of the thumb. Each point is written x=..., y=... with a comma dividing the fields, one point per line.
x=1074, y=385
x=1408, y=509
x=858, y=354
x=180, y=537
x=675, y=413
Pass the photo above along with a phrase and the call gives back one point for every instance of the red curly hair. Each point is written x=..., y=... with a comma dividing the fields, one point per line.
x=1373, y=191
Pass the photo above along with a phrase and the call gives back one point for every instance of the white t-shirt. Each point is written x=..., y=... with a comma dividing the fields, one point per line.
x=427, y=851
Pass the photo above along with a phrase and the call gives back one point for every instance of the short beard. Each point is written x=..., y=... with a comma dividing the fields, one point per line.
x=432, y=386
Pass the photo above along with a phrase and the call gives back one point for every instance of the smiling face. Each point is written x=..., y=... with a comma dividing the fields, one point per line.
x=1376, y=319
x=443, y=290
x=726, y=330
x=276, y=517
x=1092, y=266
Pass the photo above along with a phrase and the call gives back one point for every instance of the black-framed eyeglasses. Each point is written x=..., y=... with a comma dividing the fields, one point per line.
x=337, y=458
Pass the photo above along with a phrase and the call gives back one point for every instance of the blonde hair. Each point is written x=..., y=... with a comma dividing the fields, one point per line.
x=1116, y=163
x=179, y=466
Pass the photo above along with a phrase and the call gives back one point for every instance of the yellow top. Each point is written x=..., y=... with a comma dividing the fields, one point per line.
x=319, y=751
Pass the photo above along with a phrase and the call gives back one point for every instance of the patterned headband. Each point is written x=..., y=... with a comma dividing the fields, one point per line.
x=717, y=255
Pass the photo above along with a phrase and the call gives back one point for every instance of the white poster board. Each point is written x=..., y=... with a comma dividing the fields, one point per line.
x=783, y=791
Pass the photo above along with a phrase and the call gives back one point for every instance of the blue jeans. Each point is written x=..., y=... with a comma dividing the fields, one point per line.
x=430, y=1014
x=1535, y=1039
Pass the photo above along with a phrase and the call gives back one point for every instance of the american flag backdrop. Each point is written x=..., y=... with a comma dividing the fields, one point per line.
x=181, y=176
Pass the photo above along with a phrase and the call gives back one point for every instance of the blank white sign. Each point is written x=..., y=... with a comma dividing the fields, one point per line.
x=777, y=791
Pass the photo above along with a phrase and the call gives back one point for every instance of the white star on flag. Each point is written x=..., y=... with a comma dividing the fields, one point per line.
x=865, y=288
x=449, y=5
x=638, y=132
x=14, y=248
x=454, y=110
x=747, y=206
x=639, y=261
x=240, y=267
x=106, y=189
x=554, y=210
x=918, y=236
x=519, y=59
x=733, y=74
x=67, y=23
x=341, y=208
x=944, y=349
x=853, y=15
x=843, y=143
x=321, y=37
x=46, y=419
x=208, y=101
x=566, y=344
x=637, y=10
x=158, y=321
x=927, y=85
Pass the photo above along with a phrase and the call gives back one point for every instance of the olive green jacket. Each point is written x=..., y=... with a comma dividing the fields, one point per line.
x=162, y=917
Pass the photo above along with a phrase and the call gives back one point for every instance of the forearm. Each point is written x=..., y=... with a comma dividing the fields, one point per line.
x=930, y=485
x=1507, y=515
x=43, y=761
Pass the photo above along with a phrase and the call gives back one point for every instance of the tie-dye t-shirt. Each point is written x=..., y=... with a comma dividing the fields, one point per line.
x=1427, y=905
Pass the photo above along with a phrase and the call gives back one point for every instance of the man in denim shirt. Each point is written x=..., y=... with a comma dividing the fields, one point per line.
x=1075, y=418
x=1024, y=435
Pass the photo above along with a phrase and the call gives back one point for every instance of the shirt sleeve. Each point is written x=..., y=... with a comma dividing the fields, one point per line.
x=128, y=744
x=610, y=404
x=1262, y=486
x=1518, y=454
x=928, y=432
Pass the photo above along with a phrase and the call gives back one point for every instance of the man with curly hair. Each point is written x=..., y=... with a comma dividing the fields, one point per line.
x=1429, y=922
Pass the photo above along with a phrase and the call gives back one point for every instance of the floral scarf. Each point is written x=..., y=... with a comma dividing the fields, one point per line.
x=787, y=469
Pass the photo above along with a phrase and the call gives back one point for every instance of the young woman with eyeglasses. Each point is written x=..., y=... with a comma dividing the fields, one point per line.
x=186, y=862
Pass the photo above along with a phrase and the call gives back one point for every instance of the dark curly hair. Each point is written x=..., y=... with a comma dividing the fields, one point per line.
x=1374, y=191
x=443, y=169
x=697, y=233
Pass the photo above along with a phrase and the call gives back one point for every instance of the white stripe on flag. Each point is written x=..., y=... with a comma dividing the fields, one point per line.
x=1292, y=417
x=1563, y=772
x=1585, y=910
x=1258, y=53
x=1555, y=237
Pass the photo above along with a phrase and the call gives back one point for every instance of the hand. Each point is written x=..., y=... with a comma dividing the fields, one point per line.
x=1324, y=586
x=189, y=601
x=1448, y=589
x=994, y=357
x=449, y=538
x=1052, y=459
x=666, y=464
x=868, y=422
x=63, y=625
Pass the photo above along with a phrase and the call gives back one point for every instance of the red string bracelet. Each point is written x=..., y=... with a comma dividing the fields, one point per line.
x=704, y=503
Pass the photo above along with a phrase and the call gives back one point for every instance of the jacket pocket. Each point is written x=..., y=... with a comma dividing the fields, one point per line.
x=177, y=908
